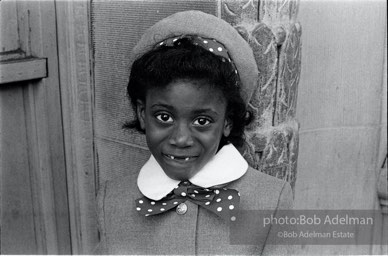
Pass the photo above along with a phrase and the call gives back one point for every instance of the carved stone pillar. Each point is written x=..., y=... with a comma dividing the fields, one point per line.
x=382, y=185
x=271, y=29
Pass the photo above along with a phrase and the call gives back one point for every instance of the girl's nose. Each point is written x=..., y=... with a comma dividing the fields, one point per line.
x=181, y=136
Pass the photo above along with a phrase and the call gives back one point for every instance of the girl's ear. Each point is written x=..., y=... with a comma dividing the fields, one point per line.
x=140, y=112
x=227, y=127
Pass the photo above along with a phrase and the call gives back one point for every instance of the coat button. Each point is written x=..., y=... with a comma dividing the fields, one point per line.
x=181, y=209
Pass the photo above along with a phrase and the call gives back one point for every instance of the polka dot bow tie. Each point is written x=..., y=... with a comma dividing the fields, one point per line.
x=221, y=201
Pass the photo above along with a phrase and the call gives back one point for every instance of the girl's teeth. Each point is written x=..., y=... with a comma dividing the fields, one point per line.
x=173, y=157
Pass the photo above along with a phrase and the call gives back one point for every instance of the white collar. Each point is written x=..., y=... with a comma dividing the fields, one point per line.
x=226, y=166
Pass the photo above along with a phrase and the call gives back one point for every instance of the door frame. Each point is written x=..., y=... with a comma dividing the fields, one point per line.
x=76, y=79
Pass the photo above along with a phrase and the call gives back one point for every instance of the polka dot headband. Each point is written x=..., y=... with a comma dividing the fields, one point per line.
x=210, y=45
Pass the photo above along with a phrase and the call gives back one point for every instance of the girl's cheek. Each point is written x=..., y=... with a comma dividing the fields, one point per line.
x=156, y=131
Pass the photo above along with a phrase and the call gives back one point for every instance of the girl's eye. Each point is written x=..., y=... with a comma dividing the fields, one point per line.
x=201, y=121
x=164, y=118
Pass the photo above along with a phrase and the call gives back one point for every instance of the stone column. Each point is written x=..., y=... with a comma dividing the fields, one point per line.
x=271, y=29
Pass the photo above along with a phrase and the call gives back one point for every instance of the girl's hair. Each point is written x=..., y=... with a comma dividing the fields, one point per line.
x=165, y=64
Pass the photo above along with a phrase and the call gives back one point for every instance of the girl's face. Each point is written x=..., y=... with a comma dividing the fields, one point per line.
x=184, y=123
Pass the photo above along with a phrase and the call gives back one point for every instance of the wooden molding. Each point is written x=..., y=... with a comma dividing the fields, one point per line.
x=22, y=70
x=75, y=72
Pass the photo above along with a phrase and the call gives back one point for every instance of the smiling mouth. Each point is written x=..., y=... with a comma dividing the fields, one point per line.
x=180, y=158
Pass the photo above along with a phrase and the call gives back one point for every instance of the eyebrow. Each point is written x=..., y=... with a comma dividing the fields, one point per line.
x=196, y=111
x=205, y=110
x=158, y=105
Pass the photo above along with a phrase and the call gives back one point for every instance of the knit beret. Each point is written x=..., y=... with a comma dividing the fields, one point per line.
x=206, y=26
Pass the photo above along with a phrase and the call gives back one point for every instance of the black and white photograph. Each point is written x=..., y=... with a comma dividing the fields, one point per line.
x=193, y=127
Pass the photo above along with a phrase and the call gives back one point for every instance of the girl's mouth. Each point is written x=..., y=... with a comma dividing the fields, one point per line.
x=179, y=158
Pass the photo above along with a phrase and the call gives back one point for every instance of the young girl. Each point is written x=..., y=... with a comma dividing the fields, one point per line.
x=190, y=83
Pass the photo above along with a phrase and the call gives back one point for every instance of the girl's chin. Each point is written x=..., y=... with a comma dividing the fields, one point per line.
x=179, y=174
x=180, y=169
x=180, y=177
